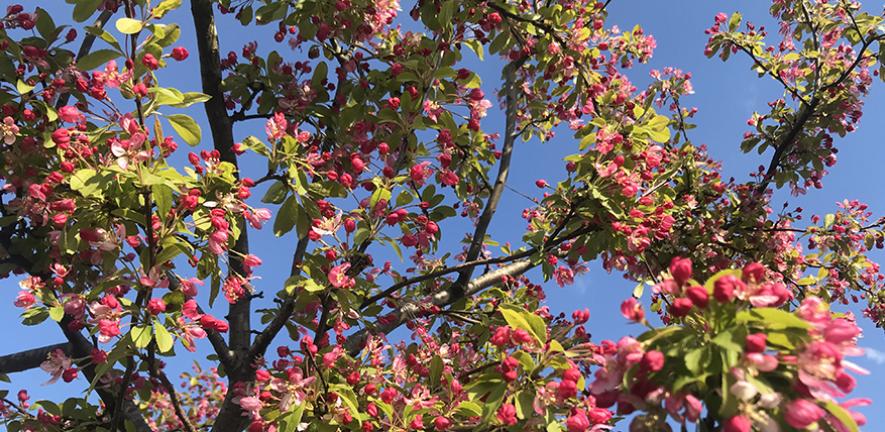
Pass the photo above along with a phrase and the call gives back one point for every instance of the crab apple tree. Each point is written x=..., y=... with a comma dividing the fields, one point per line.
x=355, y=131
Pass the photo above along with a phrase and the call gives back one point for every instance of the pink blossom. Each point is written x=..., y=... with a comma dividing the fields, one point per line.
x=55, y=364
x=25, y=299
x=801, y=413
x=69, y=114
x=338, y=277
x=632, y=310
x=251, y=406
x=577, y=422
x=9, y=130
x=275, y=128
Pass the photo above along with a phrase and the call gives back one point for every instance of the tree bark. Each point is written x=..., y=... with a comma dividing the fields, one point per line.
x=242, y=372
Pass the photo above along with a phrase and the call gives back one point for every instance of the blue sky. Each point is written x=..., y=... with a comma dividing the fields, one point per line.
x=725, y=93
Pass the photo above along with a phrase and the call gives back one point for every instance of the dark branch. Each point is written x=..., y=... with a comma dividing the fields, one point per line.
x=30, y=359
x=511, y=92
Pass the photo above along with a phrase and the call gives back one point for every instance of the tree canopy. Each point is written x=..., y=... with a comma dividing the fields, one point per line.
x=127, y=226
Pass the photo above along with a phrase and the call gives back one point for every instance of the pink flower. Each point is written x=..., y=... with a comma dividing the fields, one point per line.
x=189, y=286
x=577, y=422
x=180, y=53
x=755, y=343
x=564, y=276
x=841, y=330
x=55, y=364
x=507, y=414
x=108, y=329
x=69, y=114
x=275, y=128
x=680, y=268
x=250, y=405
x=218, y=242
x=234, y=289
x=9, y=130
x=632, y=310
x=737, y=423
x=258, y=217
x=338, y=277
x=724, y=288
x=25, y=299
x=420, y=172
x=156, y=306
x=252, y=260
x=801, y=413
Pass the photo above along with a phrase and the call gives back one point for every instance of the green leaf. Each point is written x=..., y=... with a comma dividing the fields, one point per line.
x=83, y=9
x=349, y=398
x=57, y=313
x=658, y=130
x=96, y=59
x=520, y=318
x=23, y=87
x=319, y=74
x=286, y=217
x=842, y=415
x=524, y=408
x=129, y=25
x=141, y=336
x=734, y=21
x=694, y=360
x=186, y=128
x=773, y=318
x=728, y=340
x=84, y=182
x=468, y=409
x=164, y=7
x=44, y=23
x=190, y=98
x=436, y=368
x=164, y=338
x=162, y=195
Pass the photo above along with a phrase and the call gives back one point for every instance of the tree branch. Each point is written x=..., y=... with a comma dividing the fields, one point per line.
x=30, y=359
x=81, y=347
x=450, y=295
x=230, y=416
x=510, y=94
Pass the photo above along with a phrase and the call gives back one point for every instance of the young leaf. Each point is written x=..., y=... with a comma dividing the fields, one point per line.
x=129, y=25
x=186, y=128
x=96, y=59
x=164, y=338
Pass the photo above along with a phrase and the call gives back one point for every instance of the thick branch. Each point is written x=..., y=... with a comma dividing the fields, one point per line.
x=230, y=417
x=511, y=92
x=30, y=359
x=223, y=141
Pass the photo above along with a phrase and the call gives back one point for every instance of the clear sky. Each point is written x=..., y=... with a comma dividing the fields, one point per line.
x=725, y=93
